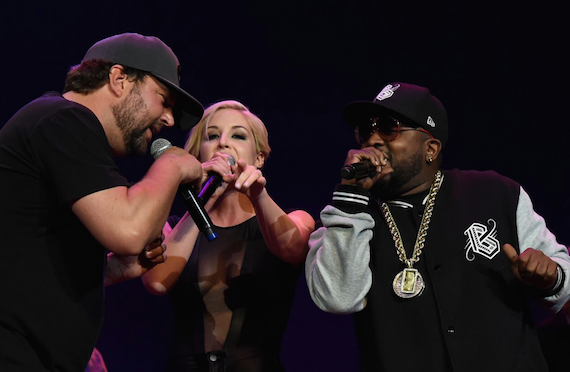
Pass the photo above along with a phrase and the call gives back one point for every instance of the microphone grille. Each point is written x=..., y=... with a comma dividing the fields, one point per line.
x=159, y=146
x=232, y=161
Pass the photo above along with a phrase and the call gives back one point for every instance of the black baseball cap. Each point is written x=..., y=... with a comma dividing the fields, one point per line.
x=150, y=54
x=407, y=102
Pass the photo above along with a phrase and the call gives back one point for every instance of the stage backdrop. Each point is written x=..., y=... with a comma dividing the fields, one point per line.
x=501, y=71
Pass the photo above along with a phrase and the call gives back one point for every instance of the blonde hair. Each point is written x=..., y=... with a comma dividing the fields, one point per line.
x=197, y=134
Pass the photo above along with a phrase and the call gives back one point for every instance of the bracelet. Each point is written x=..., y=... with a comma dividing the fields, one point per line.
x=560, y=278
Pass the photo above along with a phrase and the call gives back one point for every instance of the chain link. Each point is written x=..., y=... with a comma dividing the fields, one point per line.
x=424, y=225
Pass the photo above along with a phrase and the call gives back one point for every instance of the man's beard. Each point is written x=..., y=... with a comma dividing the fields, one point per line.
x=130, y=116
x=390, y=185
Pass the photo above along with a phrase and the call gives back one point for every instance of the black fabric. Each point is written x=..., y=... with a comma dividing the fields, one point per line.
x=262, y=292
x=350, y=192
x=52, y=152
x=473, y=314
x=173, y=220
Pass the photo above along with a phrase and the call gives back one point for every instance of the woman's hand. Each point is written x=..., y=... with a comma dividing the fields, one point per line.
x=249, y=180
x=220, y=164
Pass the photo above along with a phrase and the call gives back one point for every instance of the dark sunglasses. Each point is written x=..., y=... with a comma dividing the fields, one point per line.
x=387, y=127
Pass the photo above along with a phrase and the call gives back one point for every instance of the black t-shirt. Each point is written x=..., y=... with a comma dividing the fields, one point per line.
x=52, y=152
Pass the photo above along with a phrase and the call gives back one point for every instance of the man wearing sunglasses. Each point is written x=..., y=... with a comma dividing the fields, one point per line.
x=436, y=265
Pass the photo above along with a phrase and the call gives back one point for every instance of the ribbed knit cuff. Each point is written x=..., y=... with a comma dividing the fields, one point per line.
x=350, y=198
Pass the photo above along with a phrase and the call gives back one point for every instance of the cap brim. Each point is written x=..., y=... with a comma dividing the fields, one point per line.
x=187, y=110
x=357, y=112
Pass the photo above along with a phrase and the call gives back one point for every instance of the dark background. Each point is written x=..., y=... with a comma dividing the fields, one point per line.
x=500, y=69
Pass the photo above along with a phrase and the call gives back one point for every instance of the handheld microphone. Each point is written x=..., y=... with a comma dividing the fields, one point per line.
x=358, y=170
x=195, y=209
x=213, y=182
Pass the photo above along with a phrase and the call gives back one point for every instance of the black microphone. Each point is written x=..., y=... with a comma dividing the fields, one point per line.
x=213, y=182
x=358, y=170
x=195, y=209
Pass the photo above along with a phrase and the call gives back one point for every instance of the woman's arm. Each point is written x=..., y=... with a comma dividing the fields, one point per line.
x=180, y=244
x=286, y=235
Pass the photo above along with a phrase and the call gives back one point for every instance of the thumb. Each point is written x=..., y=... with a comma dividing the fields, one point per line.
x=511, y=253
x=513, y=256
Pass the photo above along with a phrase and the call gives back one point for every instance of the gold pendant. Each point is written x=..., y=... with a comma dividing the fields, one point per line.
x=408, y=283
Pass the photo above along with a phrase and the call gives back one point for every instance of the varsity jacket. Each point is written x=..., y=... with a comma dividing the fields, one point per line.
x=473, y=314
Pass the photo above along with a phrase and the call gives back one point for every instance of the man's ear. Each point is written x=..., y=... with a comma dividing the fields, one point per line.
x=117, y=80
x=434, y=147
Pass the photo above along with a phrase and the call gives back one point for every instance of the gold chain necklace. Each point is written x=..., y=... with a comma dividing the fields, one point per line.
x=409, y=282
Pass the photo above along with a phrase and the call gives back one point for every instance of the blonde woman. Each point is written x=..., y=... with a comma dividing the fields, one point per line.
x=231, y=297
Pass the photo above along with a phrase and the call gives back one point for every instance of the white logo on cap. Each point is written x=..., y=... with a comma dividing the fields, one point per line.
x=387, y=92
x=430, y=122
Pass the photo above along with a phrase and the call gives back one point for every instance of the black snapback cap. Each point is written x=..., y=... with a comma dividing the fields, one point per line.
x=150, y=54
x=402, y=101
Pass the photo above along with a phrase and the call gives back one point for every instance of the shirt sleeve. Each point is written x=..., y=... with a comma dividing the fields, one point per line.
x=337, y=266
x=74, y=155
x=533, y=233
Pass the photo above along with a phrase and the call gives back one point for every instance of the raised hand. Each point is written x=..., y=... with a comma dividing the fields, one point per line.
x=249, y=179
x=532, y=267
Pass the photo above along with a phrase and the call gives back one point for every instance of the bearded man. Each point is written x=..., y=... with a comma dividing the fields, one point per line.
x=436, y=266
x=64, y=204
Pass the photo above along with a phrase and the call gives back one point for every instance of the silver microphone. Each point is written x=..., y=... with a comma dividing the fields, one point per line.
x=195, y=209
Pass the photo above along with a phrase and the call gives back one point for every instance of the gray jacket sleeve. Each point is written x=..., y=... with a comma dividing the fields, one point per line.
x=533, y=233
x=337, y=266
